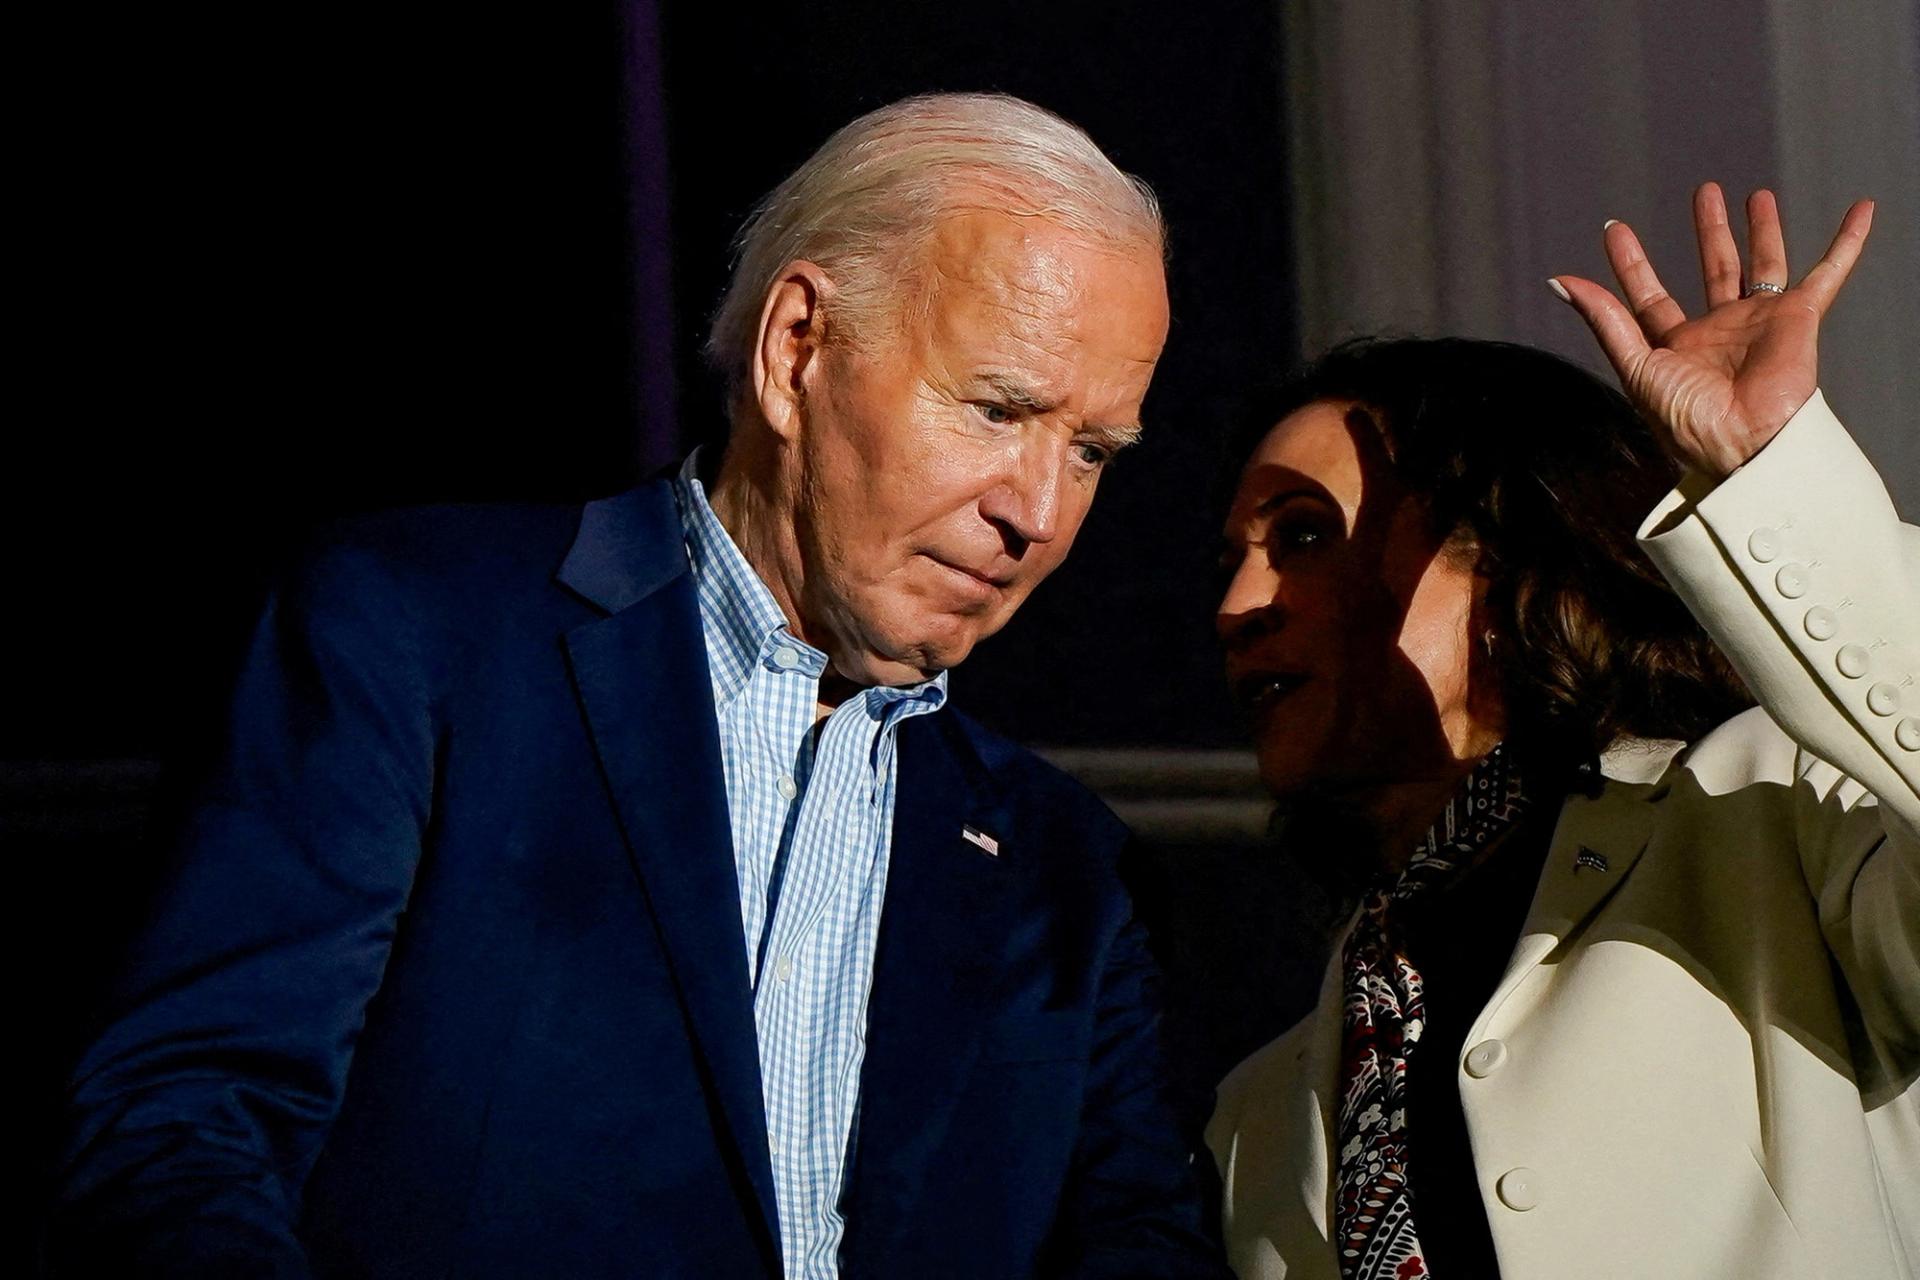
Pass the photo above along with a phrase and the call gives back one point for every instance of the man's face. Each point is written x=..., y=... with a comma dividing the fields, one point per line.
x=945, y=471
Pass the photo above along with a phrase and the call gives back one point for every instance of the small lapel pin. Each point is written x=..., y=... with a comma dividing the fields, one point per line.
x=1588, y=860
x=986, y=842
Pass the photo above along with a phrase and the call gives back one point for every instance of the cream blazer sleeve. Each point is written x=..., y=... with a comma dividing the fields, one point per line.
x=1800, y=569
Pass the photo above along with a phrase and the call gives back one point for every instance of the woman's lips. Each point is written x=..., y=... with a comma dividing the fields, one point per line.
x=1260, y=691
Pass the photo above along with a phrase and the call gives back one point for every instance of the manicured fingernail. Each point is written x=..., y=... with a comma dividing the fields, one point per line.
x=1610, y=222
x=1559, y=290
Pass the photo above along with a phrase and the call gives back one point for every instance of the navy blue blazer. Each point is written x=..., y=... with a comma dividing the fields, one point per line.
x=448, y=977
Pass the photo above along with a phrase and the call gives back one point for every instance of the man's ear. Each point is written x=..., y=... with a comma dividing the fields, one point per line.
x=792, y=327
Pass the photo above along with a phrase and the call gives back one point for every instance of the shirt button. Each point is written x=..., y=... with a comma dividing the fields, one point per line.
x=1820, y=623
x=1907, y=734
x=1519, y=1189
x=1852, y=661
x=788, y=787
x=783, y=971
x=1486, y=1058
x=1763, y=545
x=1883, y=699
x=1791, y=581
x=786, y=657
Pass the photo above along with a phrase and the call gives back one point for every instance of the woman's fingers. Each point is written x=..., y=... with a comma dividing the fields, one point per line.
x=1618, y=331
x=1766, y=244
x=1719, y=255
x=1822, y=283
x=1653, y=307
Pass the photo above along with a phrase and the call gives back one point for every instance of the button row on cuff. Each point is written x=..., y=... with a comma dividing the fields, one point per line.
x=1819, y=622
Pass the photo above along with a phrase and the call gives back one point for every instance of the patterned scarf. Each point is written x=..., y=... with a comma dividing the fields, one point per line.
x=1385, y=1012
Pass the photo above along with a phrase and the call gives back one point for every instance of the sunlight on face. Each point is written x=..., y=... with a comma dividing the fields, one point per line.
x=946, y=471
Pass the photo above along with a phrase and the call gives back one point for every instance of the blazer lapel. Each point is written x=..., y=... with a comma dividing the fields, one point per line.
x=938, y=972
x=1596, y=843
x=642, y=679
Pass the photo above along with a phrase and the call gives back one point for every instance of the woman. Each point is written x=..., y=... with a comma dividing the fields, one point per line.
x=1635, y=989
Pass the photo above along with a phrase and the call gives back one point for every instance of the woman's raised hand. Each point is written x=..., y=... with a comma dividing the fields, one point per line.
x=1723, y=383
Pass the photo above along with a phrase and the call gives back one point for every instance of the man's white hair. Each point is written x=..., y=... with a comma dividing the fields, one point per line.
x=866, y=204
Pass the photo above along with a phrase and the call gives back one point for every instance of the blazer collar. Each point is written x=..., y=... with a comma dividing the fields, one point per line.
x=628, y=546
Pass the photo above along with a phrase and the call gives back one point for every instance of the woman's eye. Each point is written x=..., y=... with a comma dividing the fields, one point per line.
x=1300, y=535
x=1284, y=539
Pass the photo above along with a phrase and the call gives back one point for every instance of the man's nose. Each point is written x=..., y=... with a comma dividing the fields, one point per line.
x=1026, y=502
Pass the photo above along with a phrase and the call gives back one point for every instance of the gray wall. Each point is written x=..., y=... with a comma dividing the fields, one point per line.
x=1449, y=156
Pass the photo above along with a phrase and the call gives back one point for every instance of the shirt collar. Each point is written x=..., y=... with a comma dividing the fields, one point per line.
x=745, y=628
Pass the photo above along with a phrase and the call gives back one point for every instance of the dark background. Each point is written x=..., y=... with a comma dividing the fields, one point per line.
x=321, y=265
x=307, y=263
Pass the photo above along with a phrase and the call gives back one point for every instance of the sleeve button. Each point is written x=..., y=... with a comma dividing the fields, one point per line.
x=1763, y=545
x=1820, y=623
x=1791, y=581
x=1852, y=661
x=1907, y=734
x=1883, y=699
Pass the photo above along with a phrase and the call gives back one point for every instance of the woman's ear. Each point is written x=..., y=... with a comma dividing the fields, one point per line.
x=1488, y=653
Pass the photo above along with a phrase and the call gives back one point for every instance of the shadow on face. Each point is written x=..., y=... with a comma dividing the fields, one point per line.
x=1346, y=619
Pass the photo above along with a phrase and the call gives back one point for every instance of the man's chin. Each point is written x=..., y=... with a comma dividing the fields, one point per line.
x=905, y=664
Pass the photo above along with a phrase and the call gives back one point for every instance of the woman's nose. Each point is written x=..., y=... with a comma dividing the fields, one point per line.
x=1250, y=605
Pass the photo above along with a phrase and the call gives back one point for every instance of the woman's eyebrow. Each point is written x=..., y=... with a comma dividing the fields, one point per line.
x=1273, y=502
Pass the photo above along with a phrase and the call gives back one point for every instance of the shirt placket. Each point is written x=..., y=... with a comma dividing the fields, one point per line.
x=816, y=928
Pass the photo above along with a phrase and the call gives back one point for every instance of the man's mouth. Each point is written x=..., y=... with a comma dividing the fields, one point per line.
x=984, y=579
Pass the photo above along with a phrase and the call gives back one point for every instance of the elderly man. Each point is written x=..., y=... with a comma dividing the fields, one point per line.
x=608, y=891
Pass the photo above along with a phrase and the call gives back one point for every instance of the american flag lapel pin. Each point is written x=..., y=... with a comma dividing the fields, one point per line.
x=987, y=843
x=1588, y=860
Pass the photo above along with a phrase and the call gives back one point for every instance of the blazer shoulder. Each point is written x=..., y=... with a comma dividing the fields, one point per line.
x=1752, y=749
x=447, y=542
x=463, y=560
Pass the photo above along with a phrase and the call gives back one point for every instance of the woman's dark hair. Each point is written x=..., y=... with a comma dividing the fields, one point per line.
x=1542, y=472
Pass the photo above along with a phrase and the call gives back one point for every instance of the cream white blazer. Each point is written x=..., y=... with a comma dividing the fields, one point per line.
x=1701, y=1059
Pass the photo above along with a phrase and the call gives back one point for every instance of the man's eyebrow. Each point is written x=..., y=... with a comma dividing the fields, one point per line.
x=1116, y=436
x=1016, y=394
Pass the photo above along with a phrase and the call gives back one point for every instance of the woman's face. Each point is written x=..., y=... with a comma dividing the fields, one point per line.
x=1350, y=630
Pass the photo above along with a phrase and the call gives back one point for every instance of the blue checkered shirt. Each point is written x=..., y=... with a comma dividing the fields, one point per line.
x=812, y=818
